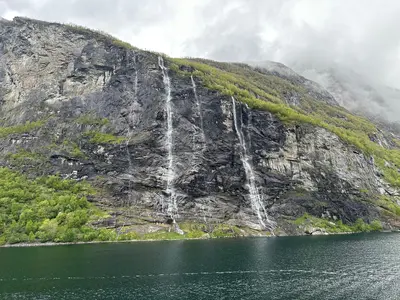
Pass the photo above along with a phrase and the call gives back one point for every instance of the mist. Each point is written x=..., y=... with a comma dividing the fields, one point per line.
x=341, y=44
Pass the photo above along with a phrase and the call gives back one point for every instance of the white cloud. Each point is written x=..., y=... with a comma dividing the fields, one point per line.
x=360, y=35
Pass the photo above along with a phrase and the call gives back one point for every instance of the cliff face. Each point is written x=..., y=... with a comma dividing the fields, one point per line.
x=162, y=147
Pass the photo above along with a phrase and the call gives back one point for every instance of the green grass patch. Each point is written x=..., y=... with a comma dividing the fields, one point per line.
x=224, y=230
x=19, y=129
x=100, y=36
x=194, y=230
x=73, y=149
x=96, y=137
x=337, y=226
x=389, y=204
x=26, y=157
x=162, y=235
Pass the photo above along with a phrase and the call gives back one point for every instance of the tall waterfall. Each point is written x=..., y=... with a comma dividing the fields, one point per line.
x=171, y=205
x=199, y=110
x=200, y=146
x=255, y=197
x=131, y=119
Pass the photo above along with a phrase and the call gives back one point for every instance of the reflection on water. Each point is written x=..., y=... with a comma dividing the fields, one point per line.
x=329, y=267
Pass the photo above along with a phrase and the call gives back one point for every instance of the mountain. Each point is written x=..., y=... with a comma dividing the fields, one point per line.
x=100, y=140
x=358, y=93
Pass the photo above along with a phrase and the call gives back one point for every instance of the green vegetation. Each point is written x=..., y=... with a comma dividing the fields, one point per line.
x=100, y=36
x=389, y=204
x=46, y=209
x=26, y=157
x=338, y=226
x=73, y=149
x=194, y=230
x=265, y=92
x=90, y=119
x=69, y=146
x=97, y=137
x=224, y=230
x=162, y=235
x=18, y=129
x=396, y=142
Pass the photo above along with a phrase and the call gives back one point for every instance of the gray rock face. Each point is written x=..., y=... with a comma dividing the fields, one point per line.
x=50, y=73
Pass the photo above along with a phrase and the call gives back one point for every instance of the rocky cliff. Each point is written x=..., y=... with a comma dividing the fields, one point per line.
x=200, y=144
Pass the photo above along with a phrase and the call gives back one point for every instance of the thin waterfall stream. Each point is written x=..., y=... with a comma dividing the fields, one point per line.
x=199, y=110
x=131, y=115
x=130, y=120
x=198, y=155
x=171, y=205
x=255, y=197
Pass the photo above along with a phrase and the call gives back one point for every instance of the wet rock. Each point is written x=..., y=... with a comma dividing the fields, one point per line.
x=83, y=80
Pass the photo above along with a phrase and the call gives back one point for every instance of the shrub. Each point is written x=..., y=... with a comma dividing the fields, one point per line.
x=376, y=225
x=360, y=225
x=47, y=209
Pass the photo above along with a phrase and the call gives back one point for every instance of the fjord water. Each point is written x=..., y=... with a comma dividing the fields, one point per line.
x=365, y=266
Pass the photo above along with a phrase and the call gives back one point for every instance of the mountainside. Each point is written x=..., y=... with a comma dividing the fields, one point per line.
x=120, y=143
x=359, y=94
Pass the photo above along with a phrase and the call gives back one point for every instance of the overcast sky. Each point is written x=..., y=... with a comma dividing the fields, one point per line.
x=361, y=34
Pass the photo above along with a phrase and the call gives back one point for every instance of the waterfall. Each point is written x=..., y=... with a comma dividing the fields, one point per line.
x=130, y=120
x=131, y=115
x=199, y=110
x=255, y=197
x=203, y=145
x=172, y=207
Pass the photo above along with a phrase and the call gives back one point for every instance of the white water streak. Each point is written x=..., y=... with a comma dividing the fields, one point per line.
x=199, y=110
x=128, y=139
x=130, y=122
x=172, y=207
x=255, y=198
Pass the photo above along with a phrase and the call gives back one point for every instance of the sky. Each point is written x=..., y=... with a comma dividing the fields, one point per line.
x=362, y=35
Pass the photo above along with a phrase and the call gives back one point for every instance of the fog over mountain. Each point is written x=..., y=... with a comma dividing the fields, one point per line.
x=350, y=47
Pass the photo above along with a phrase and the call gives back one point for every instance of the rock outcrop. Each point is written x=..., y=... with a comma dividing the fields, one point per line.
x=85, y=107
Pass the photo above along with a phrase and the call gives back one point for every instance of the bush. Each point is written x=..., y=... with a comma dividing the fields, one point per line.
x=360, y=225
x=376, y=225
x=45, y=209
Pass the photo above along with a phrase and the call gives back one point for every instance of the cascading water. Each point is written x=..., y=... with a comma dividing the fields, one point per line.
x=171, y=205
x=130, y=121
x=131, y=116
x=200, y=146
x=199, y=110
x=255, y=198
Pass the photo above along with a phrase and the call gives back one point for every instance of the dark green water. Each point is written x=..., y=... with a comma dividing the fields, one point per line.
x=330, y=267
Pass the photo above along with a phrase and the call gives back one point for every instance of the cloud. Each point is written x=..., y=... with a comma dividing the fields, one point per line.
x=361, y=36
x=306, y=32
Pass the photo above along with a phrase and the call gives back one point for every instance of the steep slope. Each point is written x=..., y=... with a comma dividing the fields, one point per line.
x=358, y=93
x=196, y=147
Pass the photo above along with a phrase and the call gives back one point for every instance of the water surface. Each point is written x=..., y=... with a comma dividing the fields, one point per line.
x=365, y=266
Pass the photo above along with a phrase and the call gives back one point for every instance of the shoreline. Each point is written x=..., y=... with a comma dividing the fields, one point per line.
x=51, y=244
